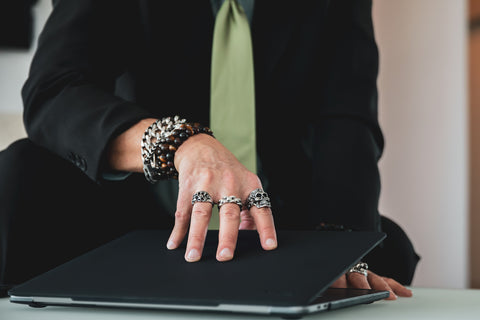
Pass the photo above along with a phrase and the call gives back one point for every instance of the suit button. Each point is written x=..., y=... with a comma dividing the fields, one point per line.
x=81, y=163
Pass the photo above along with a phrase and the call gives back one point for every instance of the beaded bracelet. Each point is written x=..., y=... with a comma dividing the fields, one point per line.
x=160, y=142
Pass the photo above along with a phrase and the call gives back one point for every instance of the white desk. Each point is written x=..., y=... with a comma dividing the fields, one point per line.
x=435, y=304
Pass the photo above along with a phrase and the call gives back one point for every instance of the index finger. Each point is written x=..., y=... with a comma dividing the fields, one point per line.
x=182, y=220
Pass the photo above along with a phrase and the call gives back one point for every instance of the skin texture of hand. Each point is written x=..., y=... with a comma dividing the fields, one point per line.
x=372, y=281
x=204, y=164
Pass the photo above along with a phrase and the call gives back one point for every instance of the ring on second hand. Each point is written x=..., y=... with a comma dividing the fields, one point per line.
x=202, y=196
x=230, y=199
x=259, y=199
x=360, y=267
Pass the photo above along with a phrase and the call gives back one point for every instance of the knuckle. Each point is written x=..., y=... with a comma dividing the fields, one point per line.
x=229, y=176
x=253, y=180
x=208, y=176
x=230, y=213
x=230, y=182
x=267, y=229
x=182, y=216
x=200, y=214
x=261, y=212
x=195, y=238
x=247, y=218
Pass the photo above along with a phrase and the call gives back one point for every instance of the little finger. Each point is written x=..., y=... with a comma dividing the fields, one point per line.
x=378, y=283
x=397, y=288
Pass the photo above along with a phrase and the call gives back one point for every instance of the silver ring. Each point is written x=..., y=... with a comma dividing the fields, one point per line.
x=259, y=199
x=360, y=267
x=230, y=199
x=202, y=196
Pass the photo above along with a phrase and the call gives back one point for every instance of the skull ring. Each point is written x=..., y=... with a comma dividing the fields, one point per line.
x=259, y=199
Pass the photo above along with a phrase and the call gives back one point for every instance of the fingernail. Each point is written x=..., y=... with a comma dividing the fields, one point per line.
x=270, y=243
x=193, y=255
x=226, y=253
x=170, y=245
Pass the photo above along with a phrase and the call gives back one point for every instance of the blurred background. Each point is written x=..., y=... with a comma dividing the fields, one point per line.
x=429, y=106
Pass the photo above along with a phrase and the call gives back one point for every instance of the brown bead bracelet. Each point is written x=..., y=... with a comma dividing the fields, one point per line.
x=160, y=142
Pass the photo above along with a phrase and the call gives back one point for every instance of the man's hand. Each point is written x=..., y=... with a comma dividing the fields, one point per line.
x=372, y=281
x=204, y=164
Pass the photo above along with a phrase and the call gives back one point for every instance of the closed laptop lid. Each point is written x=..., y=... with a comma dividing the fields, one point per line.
x=138, y=268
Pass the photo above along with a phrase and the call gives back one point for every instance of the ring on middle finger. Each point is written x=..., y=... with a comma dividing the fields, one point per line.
x=202, y=196
x=230, y=199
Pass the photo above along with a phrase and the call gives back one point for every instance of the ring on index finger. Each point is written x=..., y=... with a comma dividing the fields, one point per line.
x=259, y=199
x=202, y=196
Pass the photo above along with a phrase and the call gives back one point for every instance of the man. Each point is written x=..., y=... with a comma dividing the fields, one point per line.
x=105, y=71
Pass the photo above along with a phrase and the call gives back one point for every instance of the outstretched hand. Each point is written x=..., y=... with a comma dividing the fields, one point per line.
x=204, y=164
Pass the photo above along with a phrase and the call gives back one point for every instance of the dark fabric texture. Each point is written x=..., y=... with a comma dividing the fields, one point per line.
x=396, y=258
x=102, y=65
x=51, y=212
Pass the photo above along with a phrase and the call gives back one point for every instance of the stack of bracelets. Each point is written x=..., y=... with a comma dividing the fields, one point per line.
x=159, y=143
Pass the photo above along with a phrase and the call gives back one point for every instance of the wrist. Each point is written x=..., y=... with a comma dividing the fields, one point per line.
x=188, y=147
x=160, y=141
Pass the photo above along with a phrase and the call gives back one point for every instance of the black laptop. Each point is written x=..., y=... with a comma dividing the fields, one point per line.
x=137, y=271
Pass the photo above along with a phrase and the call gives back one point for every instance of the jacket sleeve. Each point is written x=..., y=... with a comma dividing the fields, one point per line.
x=69, y=102
x=347, y=139
x=351, y=64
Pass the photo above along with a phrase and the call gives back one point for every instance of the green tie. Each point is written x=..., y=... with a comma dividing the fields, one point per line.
x=232, y=104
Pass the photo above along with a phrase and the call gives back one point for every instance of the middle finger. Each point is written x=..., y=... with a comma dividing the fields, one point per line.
x=228, y=231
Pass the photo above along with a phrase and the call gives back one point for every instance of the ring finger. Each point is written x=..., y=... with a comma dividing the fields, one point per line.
x=358, y=280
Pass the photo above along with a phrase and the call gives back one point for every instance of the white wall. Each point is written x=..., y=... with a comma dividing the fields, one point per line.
x=14, y=65
x=423, y=113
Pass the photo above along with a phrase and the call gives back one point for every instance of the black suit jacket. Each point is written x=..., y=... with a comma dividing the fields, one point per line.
x=102, y=65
